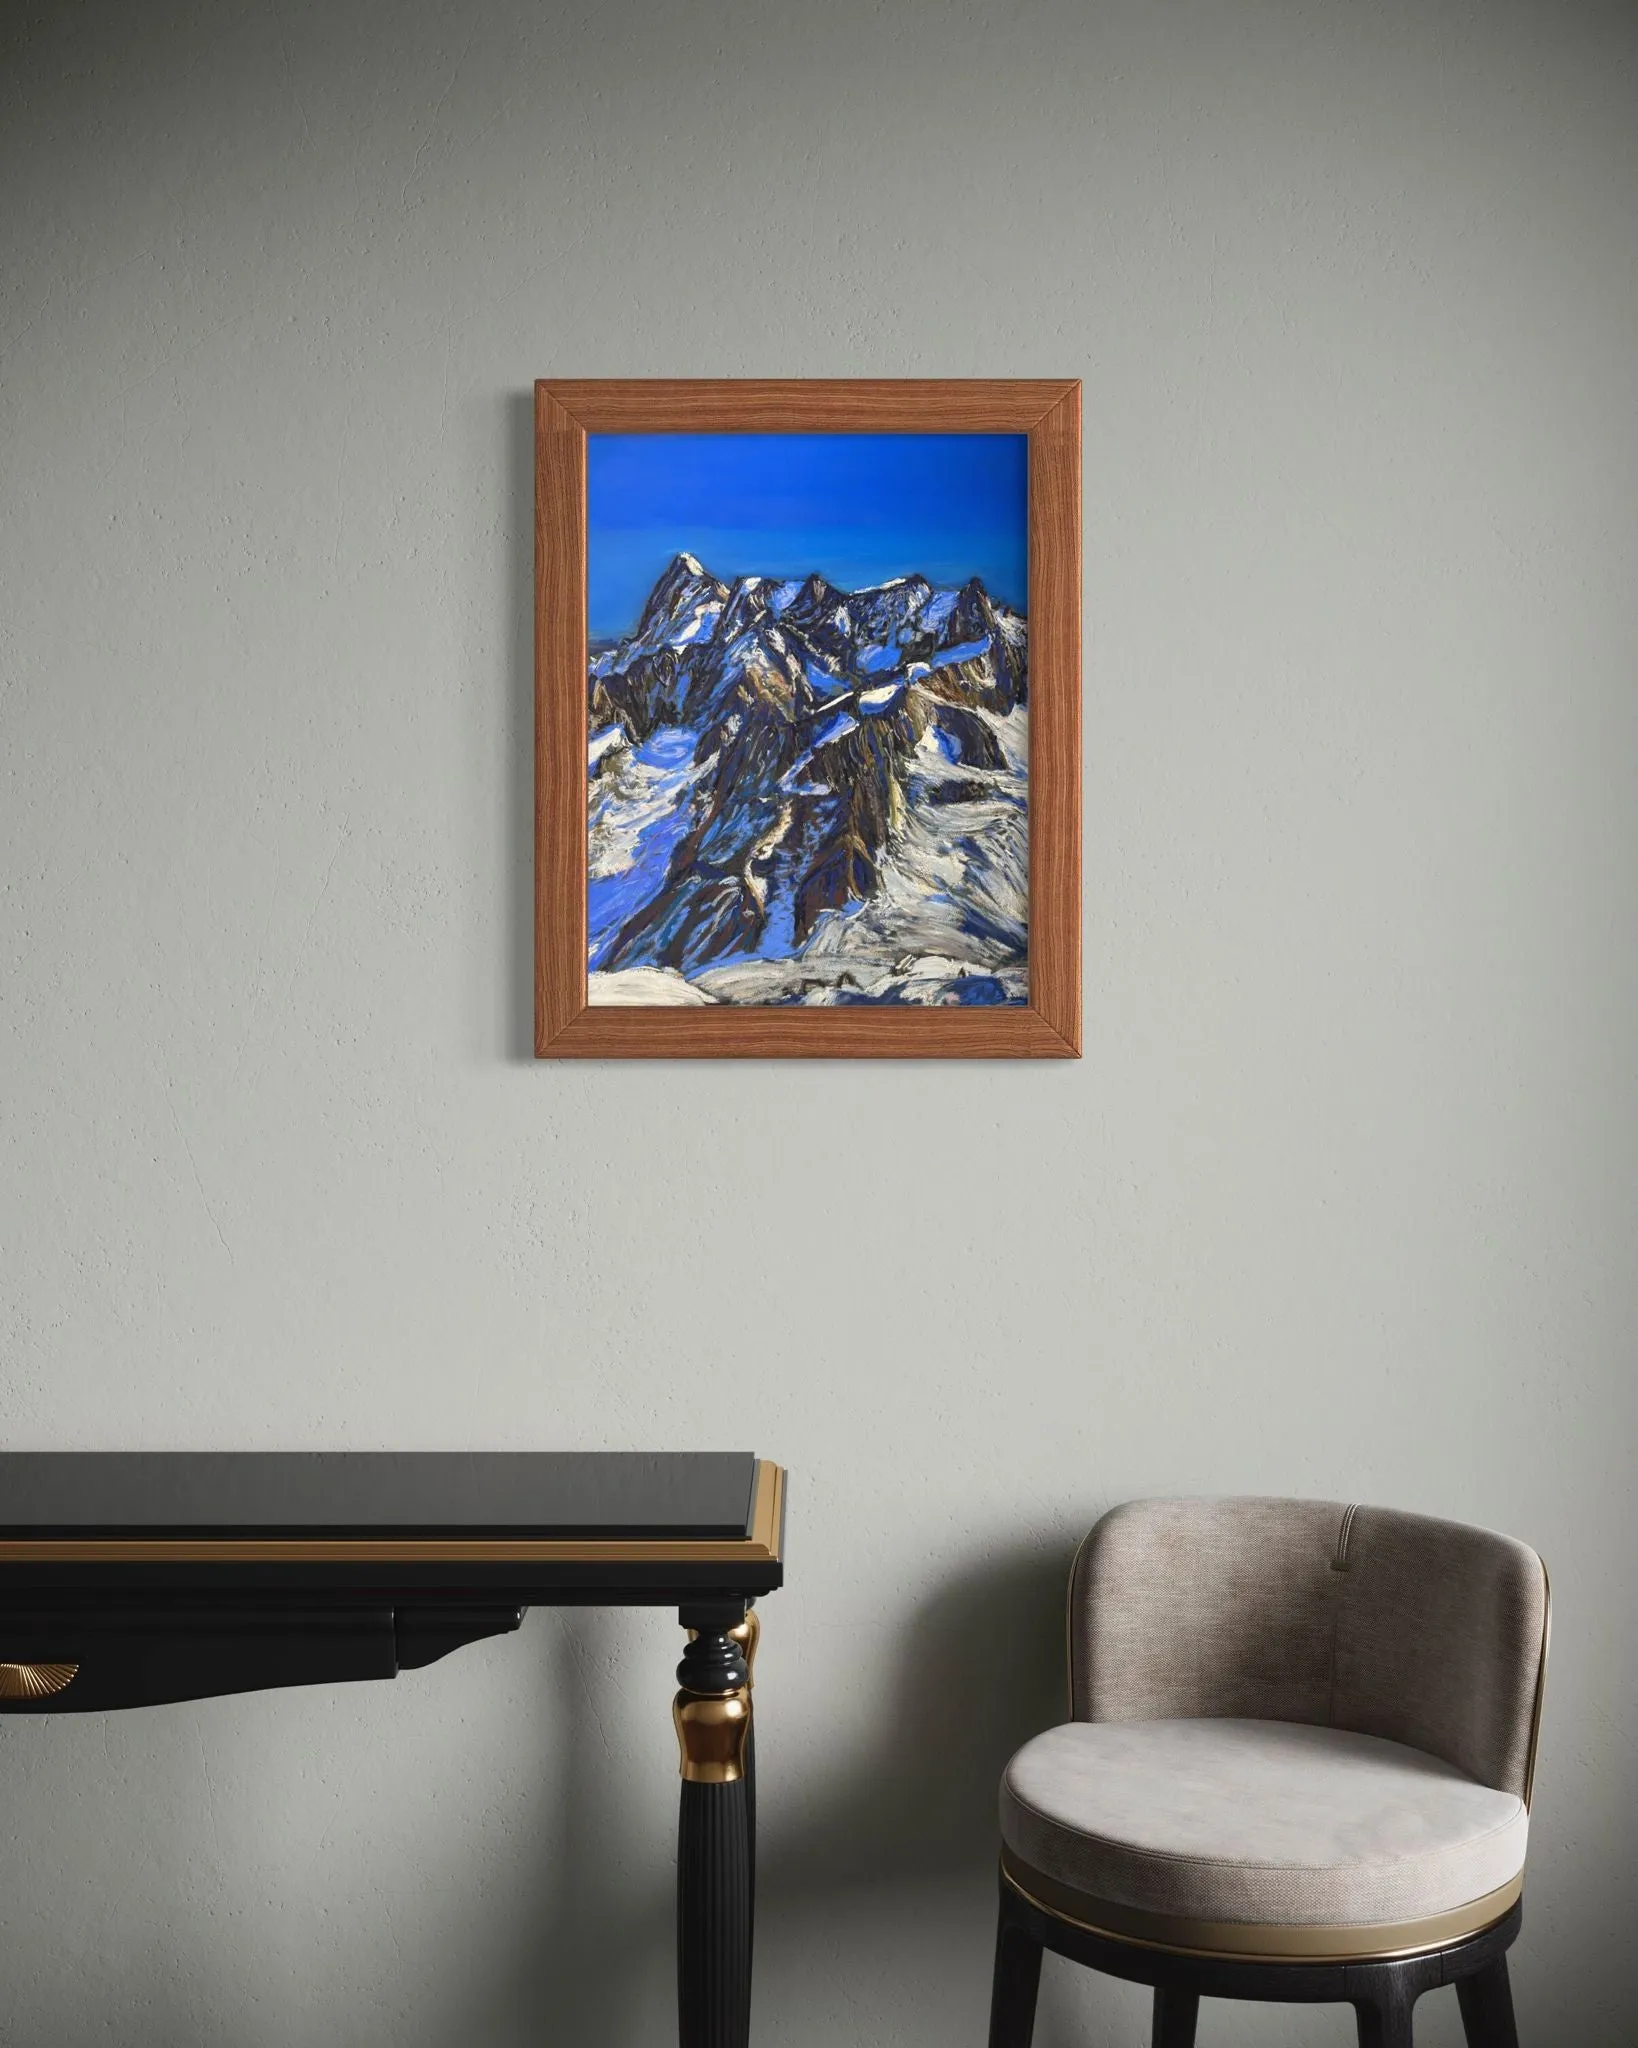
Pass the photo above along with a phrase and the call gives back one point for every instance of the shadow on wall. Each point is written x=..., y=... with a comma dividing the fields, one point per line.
x=980, y=1667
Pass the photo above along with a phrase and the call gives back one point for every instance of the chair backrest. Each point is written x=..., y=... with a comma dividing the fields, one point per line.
x=1429, y=1633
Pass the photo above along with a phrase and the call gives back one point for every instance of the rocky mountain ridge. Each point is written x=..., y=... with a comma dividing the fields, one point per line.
x=763, y=756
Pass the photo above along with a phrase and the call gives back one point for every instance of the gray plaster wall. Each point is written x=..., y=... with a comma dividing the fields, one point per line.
x=1340, y=1201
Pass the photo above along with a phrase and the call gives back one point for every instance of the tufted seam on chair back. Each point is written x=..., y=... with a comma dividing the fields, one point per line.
x=1440, y=1638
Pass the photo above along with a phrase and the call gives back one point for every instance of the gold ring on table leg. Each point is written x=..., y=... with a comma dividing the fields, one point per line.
x=711, y=1732
x=34, y=1681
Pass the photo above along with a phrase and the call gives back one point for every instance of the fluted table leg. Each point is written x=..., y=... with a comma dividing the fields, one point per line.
x=714, y=1855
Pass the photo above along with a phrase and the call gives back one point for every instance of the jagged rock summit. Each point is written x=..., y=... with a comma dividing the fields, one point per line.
x=771, y=758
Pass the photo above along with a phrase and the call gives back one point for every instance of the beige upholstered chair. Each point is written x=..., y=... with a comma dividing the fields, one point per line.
x=1299, y=1767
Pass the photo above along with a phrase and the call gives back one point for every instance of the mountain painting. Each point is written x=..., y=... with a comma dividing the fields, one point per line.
x=807, y=719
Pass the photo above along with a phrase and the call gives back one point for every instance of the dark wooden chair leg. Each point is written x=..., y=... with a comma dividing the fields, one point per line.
x=1017, y=1981
x=1486, y=2000
x=713, y=1717
x=1383, y=1990
x=1385, y=2016
x=1175, y=2015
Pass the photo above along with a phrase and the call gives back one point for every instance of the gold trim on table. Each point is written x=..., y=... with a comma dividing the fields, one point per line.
x=35, y=1681
x=762, y=1546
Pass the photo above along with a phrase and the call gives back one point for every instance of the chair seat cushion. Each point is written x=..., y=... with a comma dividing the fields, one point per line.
x=1266, y=1822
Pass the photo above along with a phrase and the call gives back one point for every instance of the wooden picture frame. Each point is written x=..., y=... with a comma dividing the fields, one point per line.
x=1049, y=413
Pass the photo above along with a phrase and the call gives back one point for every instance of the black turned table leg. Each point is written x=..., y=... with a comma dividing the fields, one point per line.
x=714, y=1854
x=748, y=1634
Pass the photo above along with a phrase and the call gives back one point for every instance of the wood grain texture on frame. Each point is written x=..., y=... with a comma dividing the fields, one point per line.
x=1049, y=412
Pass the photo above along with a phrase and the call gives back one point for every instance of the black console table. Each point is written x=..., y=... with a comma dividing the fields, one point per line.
x=129, y=1579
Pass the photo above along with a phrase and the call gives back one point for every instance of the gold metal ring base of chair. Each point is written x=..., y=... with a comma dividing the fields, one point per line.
x=1248, y=1942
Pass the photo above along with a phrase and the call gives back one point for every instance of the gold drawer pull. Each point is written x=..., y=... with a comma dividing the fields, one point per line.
x=34, y=1681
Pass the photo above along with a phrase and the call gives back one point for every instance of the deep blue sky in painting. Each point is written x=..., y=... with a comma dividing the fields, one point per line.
x=860, y=508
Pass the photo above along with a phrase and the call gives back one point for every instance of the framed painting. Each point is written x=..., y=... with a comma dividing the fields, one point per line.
x=808, y=694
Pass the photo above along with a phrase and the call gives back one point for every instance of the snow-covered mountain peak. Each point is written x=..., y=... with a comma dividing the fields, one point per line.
x=684, y=585
x=792, y=786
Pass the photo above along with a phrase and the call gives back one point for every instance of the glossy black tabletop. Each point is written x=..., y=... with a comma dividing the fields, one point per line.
x=698, y=1496
x=529, y=1525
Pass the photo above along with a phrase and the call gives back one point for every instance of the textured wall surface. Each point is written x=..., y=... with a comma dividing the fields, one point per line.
x=1340, y=1201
